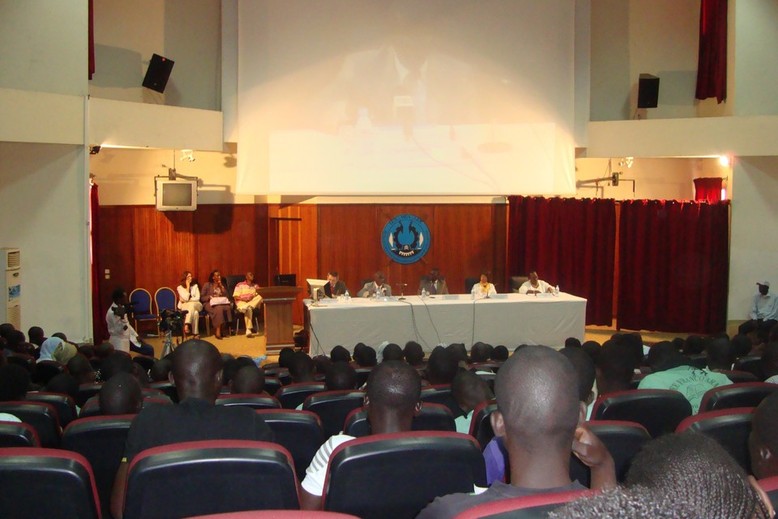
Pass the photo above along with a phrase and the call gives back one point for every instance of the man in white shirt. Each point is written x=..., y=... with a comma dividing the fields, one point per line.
x=123, y=335
x=534, y=286
x=247, y=300
x=376, y=287
x=765, y=305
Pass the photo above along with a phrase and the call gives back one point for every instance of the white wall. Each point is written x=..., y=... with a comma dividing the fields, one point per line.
x=185, y=31
x=754, y=234
x=43, y=210
x=669, y=179
x=756, y=60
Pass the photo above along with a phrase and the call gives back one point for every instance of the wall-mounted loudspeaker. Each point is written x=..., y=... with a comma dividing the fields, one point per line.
x=648, y=91
x=158, y=73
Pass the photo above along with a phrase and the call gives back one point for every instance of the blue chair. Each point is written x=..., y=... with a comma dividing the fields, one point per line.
x=164, y=299
x=141, y=306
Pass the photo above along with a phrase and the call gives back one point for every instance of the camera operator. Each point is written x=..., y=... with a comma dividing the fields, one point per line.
x=123, y=335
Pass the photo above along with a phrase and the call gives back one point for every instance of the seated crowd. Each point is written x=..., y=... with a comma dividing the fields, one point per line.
x=544, y=400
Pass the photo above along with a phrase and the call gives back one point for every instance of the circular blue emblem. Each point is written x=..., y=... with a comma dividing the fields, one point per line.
x=406, y=238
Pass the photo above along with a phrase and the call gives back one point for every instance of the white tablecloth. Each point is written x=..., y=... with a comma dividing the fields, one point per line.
x=508, y=319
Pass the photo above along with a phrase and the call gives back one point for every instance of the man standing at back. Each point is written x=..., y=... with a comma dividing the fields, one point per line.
x=539, y=416
x=392, y=400
x=197, y=374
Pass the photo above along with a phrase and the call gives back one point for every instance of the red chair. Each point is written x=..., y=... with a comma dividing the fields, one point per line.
x=18, y=434
x=101, y=440
x=729, y=427
x=432, y=417
x=658, y=410
x=300, y=432
x=746, y=394
x=293, y=395
x=441, y=394
x=522, y=507
x=278, y=514
x=481, y=424
x=622, y=439
x=40, y=483
x=40, y=415
x=208, y=477
x=396, y=475
x=333, y=407
x=65, y=405
x=255, y=401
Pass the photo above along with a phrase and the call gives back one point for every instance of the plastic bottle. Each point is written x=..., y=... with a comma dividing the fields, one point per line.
x=556, y=290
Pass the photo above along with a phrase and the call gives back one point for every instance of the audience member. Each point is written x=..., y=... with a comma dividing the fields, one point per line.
x=340, y=375
x=634, y=343
x=623, y=503
x=763, y=440
x=285, y=357
x=160, y=371
x=301, y=368
x=480, y=352
x=14, y=382
x=586, y=374
x=391, y=401
x=248, y=379
x=694, y=345
x=320, y=365
x=231, y=365
x=340, y=354
x=720, y=354
x=768, y=364
x=392, y=351
x=197, y=374
x=116, y=362
x=442, y=366
x=5, y=329
x=81, y=369
x=764, y=306
x=468, y=390
x=365, y=356
x=121, y=395
x=572, y=342
x=141, y=375
x=741, y=344
x=540, y=418
x=691, y=468
x=671, y=370
x=123, y=335
x=459, y=352
x=414, y=354
x=52, y=349
x=64, y=384
x=614, y=368
x=17, y=343
x=500, y=353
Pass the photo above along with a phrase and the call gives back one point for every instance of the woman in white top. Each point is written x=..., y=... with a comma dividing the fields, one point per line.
x=483, y=288
x=535, y=286
x=189, y=300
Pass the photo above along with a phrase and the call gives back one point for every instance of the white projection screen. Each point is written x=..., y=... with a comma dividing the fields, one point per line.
x=405, y=97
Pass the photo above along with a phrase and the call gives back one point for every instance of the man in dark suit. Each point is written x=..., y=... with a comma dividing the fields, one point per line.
x=334, y=287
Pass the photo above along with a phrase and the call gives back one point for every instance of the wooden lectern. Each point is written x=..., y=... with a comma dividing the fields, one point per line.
x=278, y=302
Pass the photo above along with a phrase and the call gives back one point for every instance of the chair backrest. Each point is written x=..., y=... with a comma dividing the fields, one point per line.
x=699, y=360
x=18, y=434
x=752, y=364
x=744, y=394
x=208, y=477
x=166, y=387
x=441, y=394
x=529, y=507
x=39, y=482
x=272, y=385
x=432, y=417
x=87, y=391
x=64, y=404
x=255, y=401
x=396, y=475
x=658, y=410
x=300, y=432
x=279, y=514
x=729, y=427
x=40, y=415
x=333, y=407
x=141, y=301
x=362, y=375
x=622, y=439
x=295, y=394
x=738, y=376
x=469, y=282
x=145, y=362
x=164, y=299
x=481, y=424
x=281, y=373
x=101, y=440
x=770, y=486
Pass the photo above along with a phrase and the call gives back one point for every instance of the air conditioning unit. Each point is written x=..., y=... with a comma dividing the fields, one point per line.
x=11, y=287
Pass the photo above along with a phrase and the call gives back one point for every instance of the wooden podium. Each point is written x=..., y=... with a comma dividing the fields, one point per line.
x=278, y=302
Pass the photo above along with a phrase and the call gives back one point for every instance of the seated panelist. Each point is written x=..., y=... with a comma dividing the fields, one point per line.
x=483, y=288
x=189, y=301
x=534, y=286
x=433, y=283
x=215, y=300
x=376, y=287
x=334, y=287
x=247, y=299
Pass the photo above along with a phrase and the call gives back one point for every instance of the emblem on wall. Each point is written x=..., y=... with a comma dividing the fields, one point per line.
x=406, y=238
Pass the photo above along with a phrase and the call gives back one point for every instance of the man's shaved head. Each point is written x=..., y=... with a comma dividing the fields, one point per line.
x=197, y=370
x=394, y=385
x=537, y=396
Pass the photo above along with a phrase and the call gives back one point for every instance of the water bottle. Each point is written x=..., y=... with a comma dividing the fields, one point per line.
x=556, y=290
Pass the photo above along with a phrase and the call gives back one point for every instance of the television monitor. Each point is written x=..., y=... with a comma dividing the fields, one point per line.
x=176, y=195
x=316, y=285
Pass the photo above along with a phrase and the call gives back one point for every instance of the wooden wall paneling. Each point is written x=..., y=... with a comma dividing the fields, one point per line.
x=297, y=249
x=261, y=244
x=116, y=252
x=225, y=240
x=348, y=242
x=164, y=247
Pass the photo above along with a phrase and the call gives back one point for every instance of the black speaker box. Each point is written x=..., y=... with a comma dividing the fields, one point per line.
x=158, y=73
x=648, y=91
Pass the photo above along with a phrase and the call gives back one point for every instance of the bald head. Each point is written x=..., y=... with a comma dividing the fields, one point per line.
x=392, y=400
x=121, y=395
x=197, y=370
x=537, y=396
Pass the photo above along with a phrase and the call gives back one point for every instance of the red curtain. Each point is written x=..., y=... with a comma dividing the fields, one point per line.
x=571, y=242
x=673, y=266
x=99, y=329
x=712, y=55
x=707, y=189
